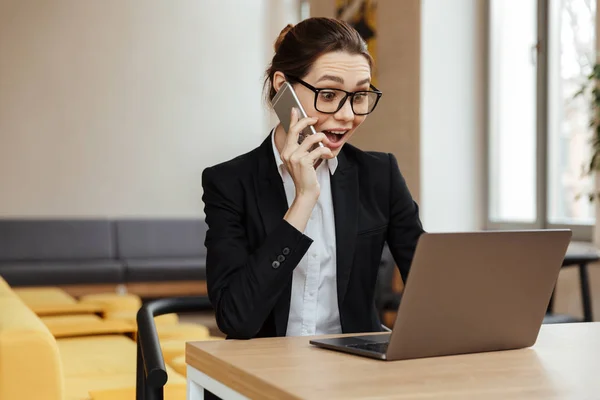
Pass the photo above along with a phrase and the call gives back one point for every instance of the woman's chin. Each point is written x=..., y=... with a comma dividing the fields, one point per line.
x=335, y=151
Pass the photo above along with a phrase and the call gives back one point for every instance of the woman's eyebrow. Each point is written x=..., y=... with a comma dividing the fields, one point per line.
x=341, y=80
x=330, y=78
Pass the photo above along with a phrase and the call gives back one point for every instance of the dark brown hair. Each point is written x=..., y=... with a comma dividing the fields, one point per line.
x=297, y=47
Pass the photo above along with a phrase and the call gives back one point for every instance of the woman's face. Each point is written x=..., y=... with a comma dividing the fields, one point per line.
x=336, y=70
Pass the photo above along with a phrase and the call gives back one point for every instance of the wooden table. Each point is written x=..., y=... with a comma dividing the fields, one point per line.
x=563, y=364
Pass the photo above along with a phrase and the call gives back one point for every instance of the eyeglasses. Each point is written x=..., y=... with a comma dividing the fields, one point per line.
x=330, y=101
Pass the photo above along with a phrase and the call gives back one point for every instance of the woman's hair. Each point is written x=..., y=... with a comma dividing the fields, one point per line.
x=297, y=47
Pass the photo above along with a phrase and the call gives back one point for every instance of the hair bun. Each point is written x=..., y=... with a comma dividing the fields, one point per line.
x=281, y=36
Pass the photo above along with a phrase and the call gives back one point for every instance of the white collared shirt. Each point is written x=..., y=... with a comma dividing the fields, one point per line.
x=314, y=304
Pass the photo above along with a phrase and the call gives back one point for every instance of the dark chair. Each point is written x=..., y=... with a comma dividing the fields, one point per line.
x=386, y=299
x=579, y=254
x=151, y=374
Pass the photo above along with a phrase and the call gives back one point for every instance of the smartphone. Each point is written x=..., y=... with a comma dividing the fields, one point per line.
x=283, y=102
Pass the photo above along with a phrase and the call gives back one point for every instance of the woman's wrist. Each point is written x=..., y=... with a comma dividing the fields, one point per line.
x=300, y=210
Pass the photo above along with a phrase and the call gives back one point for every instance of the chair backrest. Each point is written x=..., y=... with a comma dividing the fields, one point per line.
x=151, y=374
x=385, y=276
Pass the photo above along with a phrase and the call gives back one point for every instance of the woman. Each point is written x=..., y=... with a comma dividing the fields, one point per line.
x=296, y=236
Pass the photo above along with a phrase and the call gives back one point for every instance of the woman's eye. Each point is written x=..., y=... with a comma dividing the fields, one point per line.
x=359, y=97
x=327, y=95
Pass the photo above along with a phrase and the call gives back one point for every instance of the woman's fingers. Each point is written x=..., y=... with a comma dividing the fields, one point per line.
x=318, y=153
x=296, y=126
x=311, y=140
x=306, y=147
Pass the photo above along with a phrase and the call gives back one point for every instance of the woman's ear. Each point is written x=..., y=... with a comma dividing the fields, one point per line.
x=278, y=80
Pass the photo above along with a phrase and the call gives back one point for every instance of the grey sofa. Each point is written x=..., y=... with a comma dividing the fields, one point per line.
x=101, y=251
x=52, y=252
x=162, y=250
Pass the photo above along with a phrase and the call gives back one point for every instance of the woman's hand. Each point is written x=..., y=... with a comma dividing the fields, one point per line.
x=300, y=161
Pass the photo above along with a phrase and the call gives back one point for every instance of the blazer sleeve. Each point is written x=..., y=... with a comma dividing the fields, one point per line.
x=244, y=285
x=405, y=227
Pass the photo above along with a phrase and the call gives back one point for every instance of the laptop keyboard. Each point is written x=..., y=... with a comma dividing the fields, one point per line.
x=374, y=347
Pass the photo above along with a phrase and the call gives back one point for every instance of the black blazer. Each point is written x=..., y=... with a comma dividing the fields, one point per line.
x=252, y=251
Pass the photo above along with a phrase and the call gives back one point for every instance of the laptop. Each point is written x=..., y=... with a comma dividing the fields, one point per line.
x=468, y=293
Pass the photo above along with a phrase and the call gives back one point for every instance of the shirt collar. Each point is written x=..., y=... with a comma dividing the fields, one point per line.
x=332, y=164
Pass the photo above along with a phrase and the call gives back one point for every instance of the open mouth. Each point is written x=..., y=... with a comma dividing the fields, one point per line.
x=335, y=136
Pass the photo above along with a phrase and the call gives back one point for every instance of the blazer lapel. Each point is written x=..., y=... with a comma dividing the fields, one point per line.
x=272, y=205
x=271, y=200
x=344, y=191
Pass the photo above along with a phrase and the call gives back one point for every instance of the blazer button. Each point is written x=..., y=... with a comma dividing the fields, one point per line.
x=275, y=264
x=280, y=258
x=286, y=251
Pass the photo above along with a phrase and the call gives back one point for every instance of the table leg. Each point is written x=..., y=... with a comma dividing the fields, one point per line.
x=197, y=381
x=585, y=293
x=194, y=391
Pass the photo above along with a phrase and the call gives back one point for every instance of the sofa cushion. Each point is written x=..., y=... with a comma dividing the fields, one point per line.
x=173, y=348
x=166, y=238
x=113, y=301
x=179, y=365
x=66, y=326
x=175, y=389
x=35, y=297
x=53, y=301
x=131, y=318
x=103, y=367
x=96, y=363
x=29, y=240
x=43, y=273
x=185, y=331
x=97, y=355
x=165, y=269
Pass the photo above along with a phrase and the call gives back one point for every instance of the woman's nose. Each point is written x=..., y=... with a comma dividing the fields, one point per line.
x=345, y=113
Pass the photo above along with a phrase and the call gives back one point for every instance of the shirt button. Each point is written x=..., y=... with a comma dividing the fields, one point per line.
x=275, y=264
x=286, y=251
x=280, y=258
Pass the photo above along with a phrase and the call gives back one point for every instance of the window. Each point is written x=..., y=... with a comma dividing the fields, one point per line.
x=570, y=59
x=513, y=94
x=540, y=52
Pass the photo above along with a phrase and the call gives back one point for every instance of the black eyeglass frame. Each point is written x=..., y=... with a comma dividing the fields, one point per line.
x=378, y=92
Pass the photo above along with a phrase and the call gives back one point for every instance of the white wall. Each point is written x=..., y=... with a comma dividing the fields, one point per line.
x=114, y=108
x=452, y=106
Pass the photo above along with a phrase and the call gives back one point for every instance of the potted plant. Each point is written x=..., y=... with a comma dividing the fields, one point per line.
x=591, y=89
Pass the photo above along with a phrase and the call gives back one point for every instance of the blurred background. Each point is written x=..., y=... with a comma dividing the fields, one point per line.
x=112, y=109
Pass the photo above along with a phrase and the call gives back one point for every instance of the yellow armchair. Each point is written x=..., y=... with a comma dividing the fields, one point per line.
x=30, y=363
x=90, y=365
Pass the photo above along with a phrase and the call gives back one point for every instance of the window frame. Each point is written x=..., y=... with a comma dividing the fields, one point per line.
x=581, y=232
